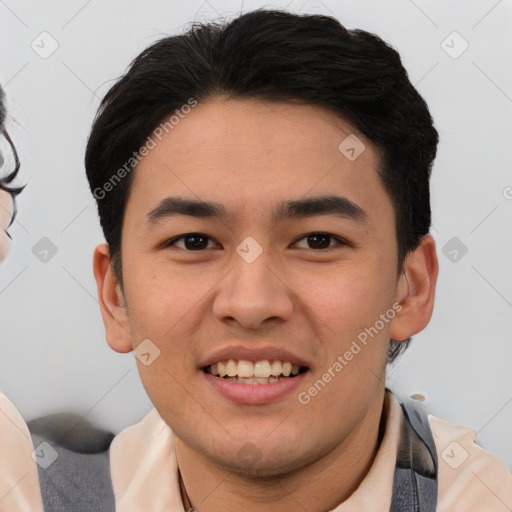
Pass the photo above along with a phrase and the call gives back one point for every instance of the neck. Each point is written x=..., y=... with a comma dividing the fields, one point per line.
x=209, y=487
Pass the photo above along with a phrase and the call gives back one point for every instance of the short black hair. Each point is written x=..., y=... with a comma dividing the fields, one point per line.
x=5, y=181
x=276, y=56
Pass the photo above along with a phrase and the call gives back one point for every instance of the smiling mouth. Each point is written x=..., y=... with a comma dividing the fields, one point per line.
x=242, y=371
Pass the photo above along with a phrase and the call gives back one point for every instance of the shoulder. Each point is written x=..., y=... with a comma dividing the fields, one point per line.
x=470, y=478
x=144, y=468
x=146, y=444
x=19, y=484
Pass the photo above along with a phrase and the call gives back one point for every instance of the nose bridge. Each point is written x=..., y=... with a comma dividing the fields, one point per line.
x=252, y=265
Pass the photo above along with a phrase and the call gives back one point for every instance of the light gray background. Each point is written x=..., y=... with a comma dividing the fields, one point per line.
x=52, y=351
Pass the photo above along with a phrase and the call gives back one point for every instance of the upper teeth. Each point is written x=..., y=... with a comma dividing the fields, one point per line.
x=243, y=368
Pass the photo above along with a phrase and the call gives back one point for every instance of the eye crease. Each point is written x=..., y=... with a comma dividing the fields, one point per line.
x=317, y=238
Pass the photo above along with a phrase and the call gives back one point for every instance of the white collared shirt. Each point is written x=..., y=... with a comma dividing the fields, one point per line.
x=145, y=475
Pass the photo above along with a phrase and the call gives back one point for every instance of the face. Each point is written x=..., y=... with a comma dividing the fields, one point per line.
x=6, y=212
x=283, y=276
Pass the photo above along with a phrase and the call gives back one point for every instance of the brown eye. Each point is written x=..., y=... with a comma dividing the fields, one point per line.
x=321, y=241
x=191, y=241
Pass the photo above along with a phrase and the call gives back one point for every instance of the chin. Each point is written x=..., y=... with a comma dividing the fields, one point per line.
x=264, y=462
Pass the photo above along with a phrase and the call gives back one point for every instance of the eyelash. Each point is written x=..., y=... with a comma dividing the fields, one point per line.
x=340, y=241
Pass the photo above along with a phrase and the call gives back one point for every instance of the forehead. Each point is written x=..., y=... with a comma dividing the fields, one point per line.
x=252, y=154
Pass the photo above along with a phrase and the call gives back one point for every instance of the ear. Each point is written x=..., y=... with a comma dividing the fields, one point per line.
x=416, y=290
x=113, y=308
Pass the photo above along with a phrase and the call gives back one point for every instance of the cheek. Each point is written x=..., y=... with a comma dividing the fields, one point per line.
x=348, y=298
x=166, y=304
x=161, y=306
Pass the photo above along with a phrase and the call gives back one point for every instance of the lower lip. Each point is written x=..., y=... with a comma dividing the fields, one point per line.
x=254, y=394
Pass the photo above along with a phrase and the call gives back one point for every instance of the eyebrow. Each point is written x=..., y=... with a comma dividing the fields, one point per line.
x=294, y=209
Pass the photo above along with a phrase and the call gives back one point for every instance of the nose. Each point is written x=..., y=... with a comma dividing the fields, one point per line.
x=253, y=294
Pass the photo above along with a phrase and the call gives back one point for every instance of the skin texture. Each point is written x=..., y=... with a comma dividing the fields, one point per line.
x=251, y=155
x=6, y=211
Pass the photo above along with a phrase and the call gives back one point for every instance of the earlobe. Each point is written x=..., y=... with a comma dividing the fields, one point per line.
x=416, y=290
x=111, y=300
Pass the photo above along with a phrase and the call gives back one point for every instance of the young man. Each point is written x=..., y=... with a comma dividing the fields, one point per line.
x=263, y=188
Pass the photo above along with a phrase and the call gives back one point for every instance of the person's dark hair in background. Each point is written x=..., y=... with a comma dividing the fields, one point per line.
x=275, y=56
x=5, y=181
